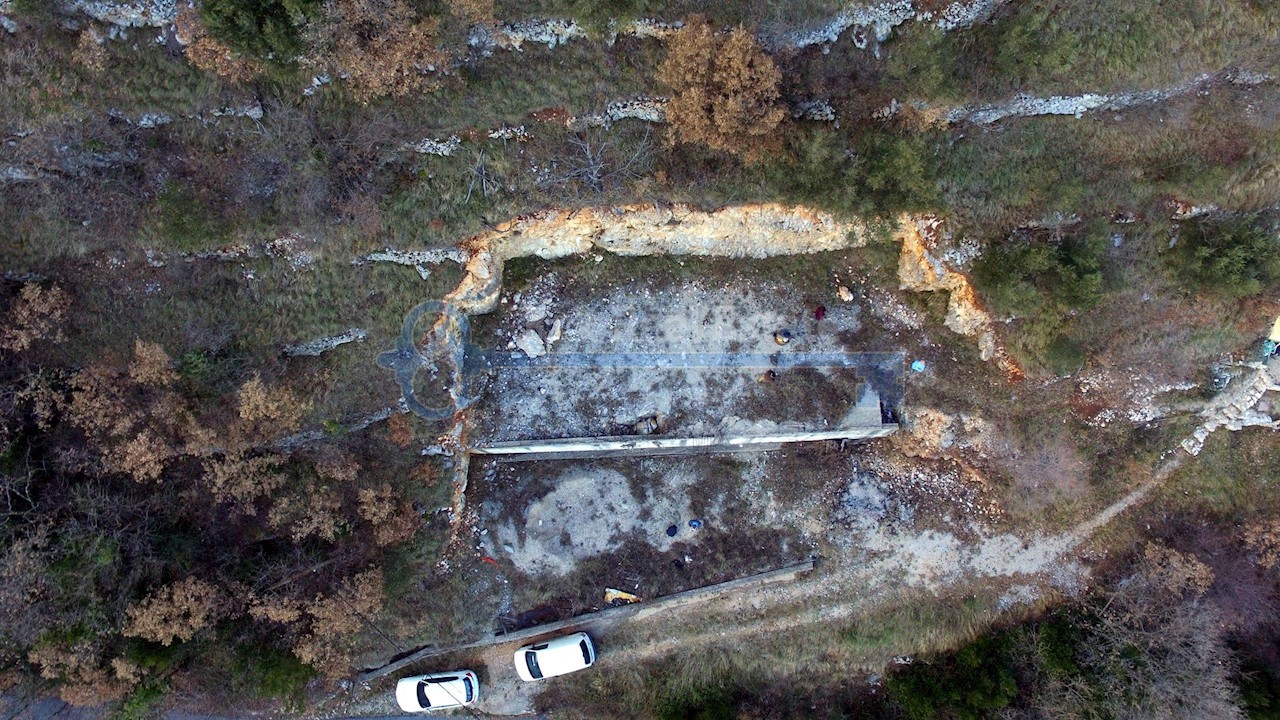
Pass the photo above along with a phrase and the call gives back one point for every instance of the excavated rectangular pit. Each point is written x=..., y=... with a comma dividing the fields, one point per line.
x=676, y=369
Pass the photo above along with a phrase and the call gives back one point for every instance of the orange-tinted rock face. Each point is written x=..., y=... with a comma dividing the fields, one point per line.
x=920, y=271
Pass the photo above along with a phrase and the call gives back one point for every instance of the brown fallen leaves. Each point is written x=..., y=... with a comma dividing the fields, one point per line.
x=381, y=47
x=209, y=54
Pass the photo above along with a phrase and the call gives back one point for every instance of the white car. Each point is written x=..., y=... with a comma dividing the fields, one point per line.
x=558, y=656
x=437, y=691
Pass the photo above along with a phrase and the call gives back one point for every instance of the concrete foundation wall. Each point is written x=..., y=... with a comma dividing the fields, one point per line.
x=631, y=446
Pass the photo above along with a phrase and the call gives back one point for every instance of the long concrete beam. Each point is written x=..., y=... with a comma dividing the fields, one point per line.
x=480, y=359
x=638, y=445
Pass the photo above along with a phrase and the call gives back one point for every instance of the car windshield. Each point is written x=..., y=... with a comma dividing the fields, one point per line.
x=531, y=659
x=466, y=682
x=586, y=654
x=422, y=695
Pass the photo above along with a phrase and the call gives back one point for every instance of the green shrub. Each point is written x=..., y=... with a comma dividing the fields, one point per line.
x=267, y=672
x=267, y=29
x=881, y=175
x=1259, y=691
x=1028, y=277
x=1232, y=256
x=1045, y=284
x=154, y=658
x=142, y=704
x=896, y=173
x=1056, y=641
x=976, y=679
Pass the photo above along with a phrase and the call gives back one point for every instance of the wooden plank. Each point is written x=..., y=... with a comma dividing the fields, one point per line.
x=622, y=613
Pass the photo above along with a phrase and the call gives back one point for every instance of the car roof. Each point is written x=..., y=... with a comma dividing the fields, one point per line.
x=441, y=689
x=561, y=655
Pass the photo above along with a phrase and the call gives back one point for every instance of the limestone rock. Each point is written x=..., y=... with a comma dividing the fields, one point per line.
x=530, y=343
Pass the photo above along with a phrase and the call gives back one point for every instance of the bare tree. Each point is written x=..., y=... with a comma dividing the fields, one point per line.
x=1154, y=650
x=482, y=176
x=596, y=164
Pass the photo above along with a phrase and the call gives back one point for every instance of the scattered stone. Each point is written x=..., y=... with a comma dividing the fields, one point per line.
x=518, y=134
x=530, y=343
x=325, y=344
x=1186, y=211
x=648, y=425
x=1077, y=105
x=961, y=15
x=553, y=336
x=880, y=19
x=817, y=110
x=844, y=293
x=646, y=28
x=645, y=109
x=416, y=259
x=15, y=174
x=145, y=120
x=316, y=83
x=535, y=313
x=127, y=13
x=1238, y=407
x=429, y=146
x=253, y=112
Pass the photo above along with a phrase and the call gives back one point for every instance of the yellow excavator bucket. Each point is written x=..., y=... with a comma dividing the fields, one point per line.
x=611, y=595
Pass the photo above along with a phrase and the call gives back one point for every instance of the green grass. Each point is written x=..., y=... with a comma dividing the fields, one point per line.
x=785, y=675
x=1233, y=477
x=221, y=327
x=1077, y=46
x=187, y=222
x=580, y=77
x=1201, y=149
x=142, y=704
x=728, y=12
x=915, y=625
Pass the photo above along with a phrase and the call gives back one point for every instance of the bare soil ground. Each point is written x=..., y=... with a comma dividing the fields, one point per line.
x=885, y=520
x=984, y=504
x=685, y=320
